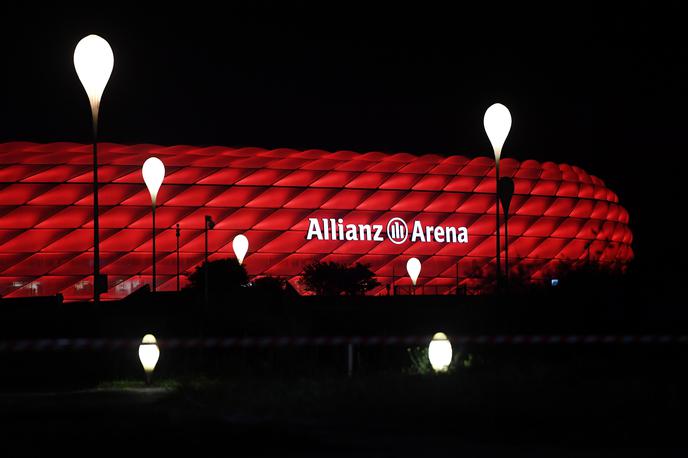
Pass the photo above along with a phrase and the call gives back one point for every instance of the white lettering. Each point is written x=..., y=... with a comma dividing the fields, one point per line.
x=335, y=229
x=417, y=235
x=463, y=235
x=428, y=233
x=439, y=234
x=313, y=229
x=451, y=234
x=351, y=232
x=362, y=229
x=378, y=233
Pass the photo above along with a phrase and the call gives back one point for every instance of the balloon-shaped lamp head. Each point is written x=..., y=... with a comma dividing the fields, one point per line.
x=153, y=171
x=497, y=122
x=93, y=61
x=149, y=353
x=440, y=352
x=413, y=269
x=240, y=246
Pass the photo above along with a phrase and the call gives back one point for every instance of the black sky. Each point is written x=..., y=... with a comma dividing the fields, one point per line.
x=603, y=90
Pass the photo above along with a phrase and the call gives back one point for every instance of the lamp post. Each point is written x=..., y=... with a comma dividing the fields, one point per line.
x=153, y=171
x=93, y=62
x=497, y=122
x=413, y=269
x=457, y=278
x=177, y=233
x=506, y=192
x=394, y=278
x=209, y=224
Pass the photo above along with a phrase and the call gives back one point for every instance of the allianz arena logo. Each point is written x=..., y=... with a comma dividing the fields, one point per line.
x=396, y=231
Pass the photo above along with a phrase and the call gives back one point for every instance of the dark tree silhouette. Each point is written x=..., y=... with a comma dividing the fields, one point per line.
x=334, y=279
x=225, y=276
x=358, y=280
x=268, y=288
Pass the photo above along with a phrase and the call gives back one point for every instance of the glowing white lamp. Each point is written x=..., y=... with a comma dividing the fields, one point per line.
x=240, y=246
x=497, y=122
x=93, y=61
x=153, y=173
x=440, y=352
x=413, y=269
x=148, y=355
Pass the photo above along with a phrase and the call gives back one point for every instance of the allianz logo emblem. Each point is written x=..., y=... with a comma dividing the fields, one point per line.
x=396, y=231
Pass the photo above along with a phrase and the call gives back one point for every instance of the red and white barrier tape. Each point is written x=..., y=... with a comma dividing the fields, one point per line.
x=39, y=345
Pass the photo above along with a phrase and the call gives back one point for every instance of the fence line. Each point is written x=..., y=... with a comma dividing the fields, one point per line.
x=86, y=344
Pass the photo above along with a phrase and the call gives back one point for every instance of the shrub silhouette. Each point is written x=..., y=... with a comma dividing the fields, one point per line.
x=334, y=279
x=225, y=276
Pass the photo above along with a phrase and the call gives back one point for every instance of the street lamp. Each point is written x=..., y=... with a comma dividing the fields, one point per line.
x=148, y=355
x=413, y=269
x=497, y=122
x=506, y=192
x=153, y=171
x=240, y=246
x=209, y=224
x=178, y=233
x=440, y=352
x=93, y=61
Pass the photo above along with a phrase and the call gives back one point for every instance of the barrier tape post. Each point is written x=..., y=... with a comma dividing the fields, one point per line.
x=350, y=359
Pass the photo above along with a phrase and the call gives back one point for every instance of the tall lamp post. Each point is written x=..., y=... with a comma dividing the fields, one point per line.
x=153, y=171
x=209, y=224
x=93, y=62
x=506, y=192
x=497, y=122
x=178, y=233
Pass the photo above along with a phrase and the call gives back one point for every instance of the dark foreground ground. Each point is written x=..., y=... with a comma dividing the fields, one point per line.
x=554, y=400
x=583, y=401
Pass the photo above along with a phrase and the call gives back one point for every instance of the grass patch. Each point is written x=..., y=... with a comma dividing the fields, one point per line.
x=129, y=384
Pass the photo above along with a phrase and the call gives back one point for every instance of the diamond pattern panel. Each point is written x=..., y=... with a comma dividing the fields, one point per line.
x=561, y=215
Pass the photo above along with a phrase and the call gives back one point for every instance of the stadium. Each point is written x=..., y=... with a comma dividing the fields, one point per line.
x=294, y=207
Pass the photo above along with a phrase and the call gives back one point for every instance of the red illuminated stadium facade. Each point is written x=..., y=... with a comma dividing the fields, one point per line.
x=561, y=216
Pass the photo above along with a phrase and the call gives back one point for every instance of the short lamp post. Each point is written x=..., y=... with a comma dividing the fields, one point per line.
x=413, y=269
x=440, y=352
x=93, y=62
x=149, y=353
x=153, y=171
x=497, y=122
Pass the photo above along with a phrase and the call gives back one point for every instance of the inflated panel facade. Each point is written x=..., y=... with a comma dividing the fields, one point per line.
x=560, y=216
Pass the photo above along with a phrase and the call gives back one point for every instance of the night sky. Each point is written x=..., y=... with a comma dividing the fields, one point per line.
x=604, y=90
